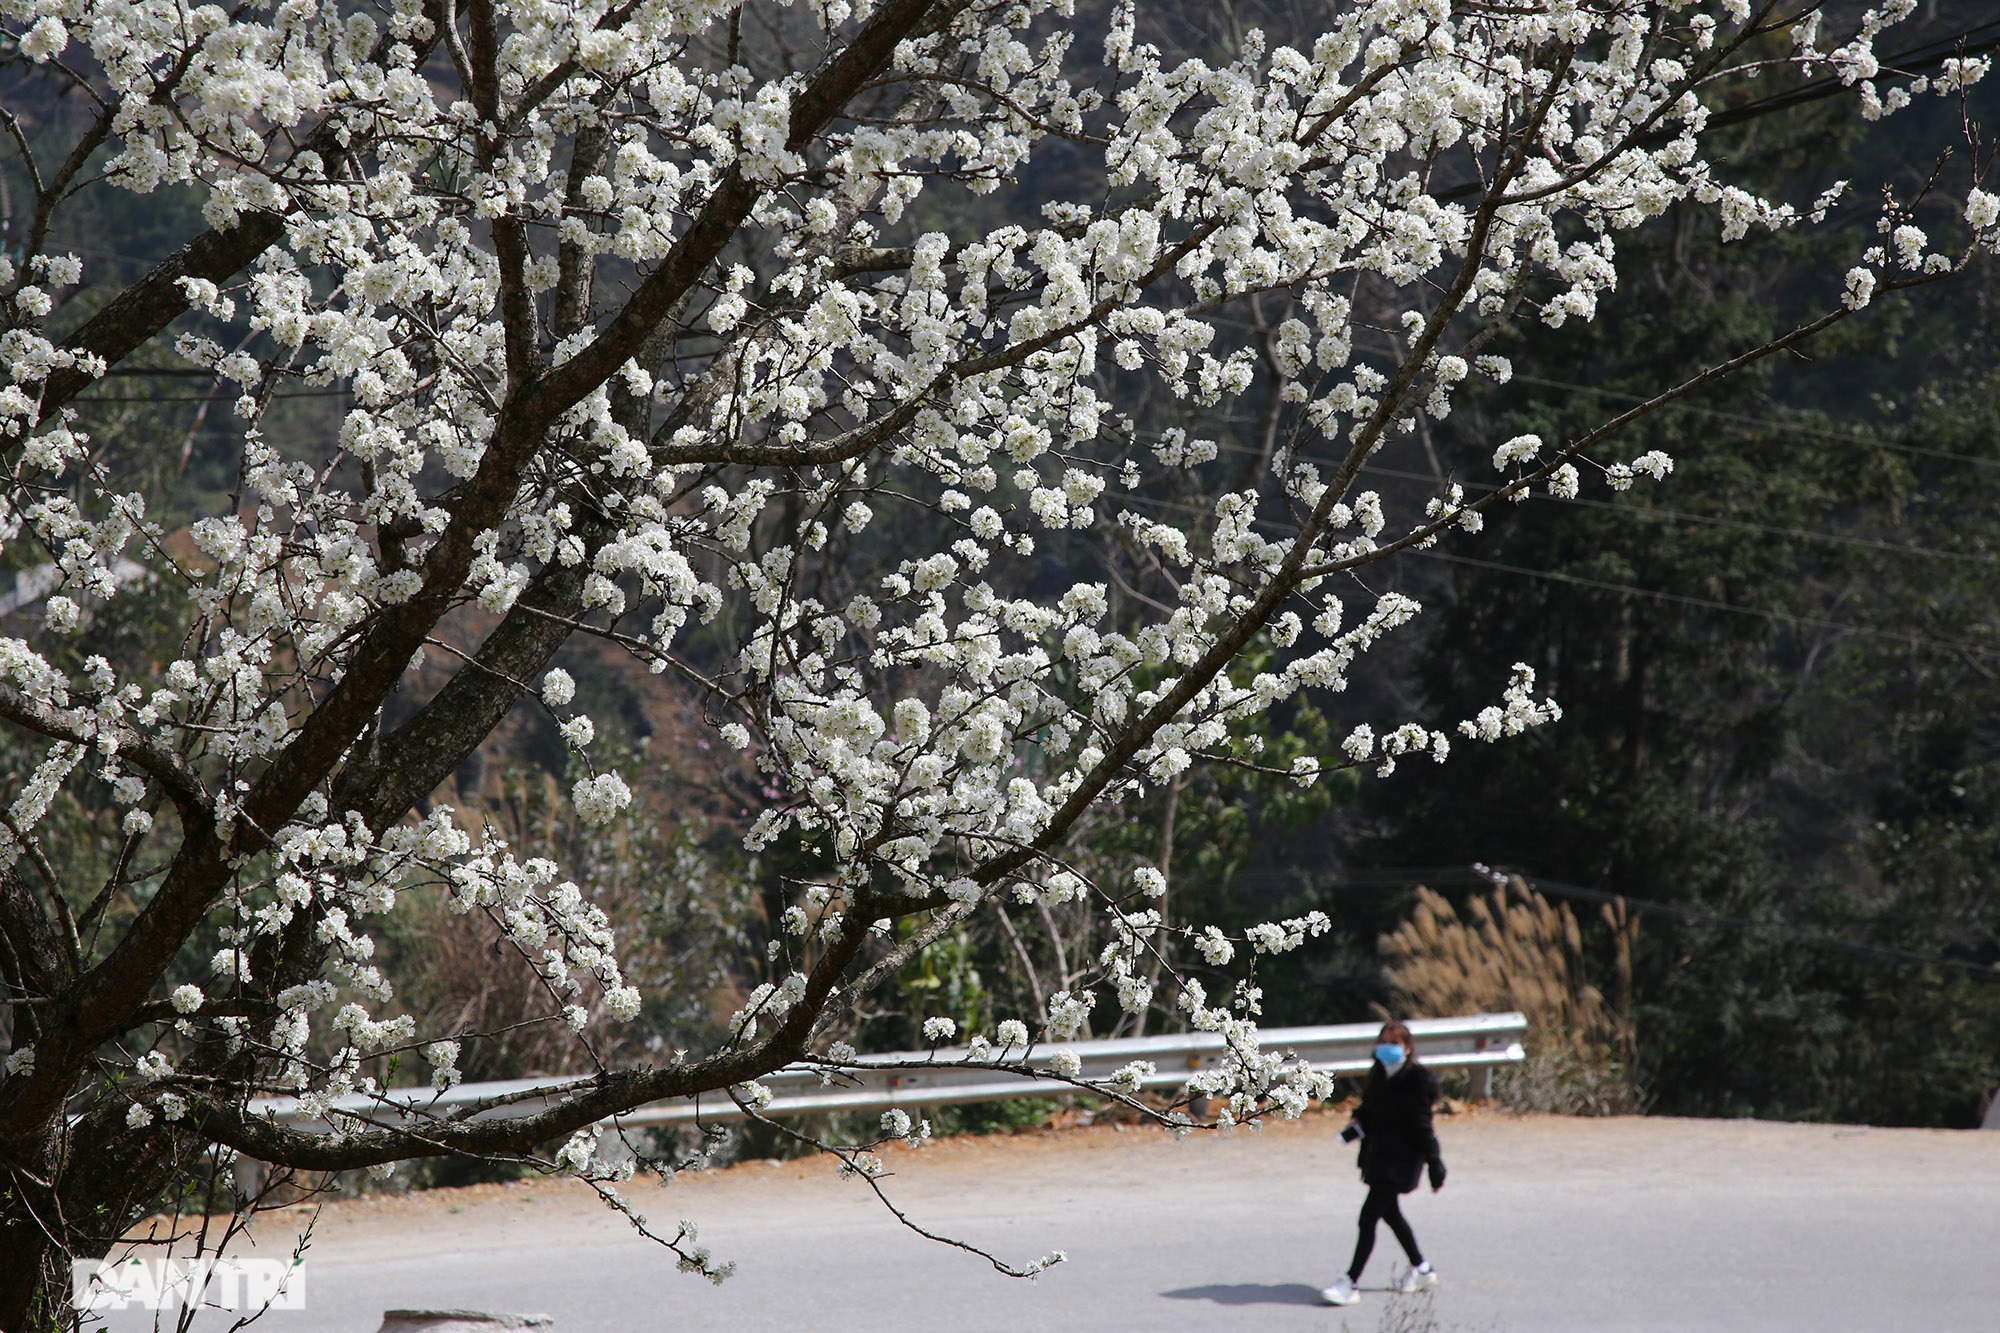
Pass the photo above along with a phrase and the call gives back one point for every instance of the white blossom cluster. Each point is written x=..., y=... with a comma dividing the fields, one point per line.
x=834, y=369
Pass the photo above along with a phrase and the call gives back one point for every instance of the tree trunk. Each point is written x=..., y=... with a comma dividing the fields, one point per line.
x=34, y=1273
x=72, y=1196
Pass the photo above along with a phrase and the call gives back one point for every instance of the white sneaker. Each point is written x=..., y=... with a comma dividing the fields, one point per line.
x=1417, y=1279
x=1342, y=1292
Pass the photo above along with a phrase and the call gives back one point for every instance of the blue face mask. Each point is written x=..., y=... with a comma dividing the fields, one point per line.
x=1390, y=1054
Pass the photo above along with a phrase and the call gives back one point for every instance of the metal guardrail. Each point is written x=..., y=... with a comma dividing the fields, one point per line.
x=948, y=1076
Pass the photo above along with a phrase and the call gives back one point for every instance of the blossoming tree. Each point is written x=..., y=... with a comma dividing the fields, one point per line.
x=644, y=311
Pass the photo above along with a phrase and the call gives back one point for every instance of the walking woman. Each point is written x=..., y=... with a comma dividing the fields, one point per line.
x=1393, y=1123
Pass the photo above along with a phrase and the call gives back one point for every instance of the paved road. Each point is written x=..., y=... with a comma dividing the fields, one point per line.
x=1546, y=1226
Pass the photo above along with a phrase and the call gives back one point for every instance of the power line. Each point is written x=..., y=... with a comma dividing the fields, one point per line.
x=1905, y=64
x=1604, y=585
x=1711, y=604
x=1787, y=929
x=159, y=372
x=1683, y=516
x=1420, y=875
x=1768, y=423
x=1679, y=515
x=201, y=397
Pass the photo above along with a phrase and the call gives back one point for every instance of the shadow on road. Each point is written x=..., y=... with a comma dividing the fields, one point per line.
x=1249, y=1293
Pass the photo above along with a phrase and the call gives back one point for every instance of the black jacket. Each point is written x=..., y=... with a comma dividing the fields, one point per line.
x=1397, y=1140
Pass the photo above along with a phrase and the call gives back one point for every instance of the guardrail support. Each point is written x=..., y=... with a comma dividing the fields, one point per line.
x=1482, y=1076
x=249, y=1175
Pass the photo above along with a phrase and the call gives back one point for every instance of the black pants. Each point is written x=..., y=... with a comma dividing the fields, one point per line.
x=1383, y=1206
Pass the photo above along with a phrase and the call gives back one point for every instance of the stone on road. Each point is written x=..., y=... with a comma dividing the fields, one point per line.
x=1546, y=1225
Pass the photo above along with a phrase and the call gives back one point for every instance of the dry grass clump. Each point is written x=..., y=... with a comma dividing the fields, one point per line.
x=680, y=919
x=1514, y=949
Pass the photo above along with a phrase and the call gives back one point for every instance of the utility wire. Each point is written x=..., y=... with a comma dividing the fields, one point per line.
x=1712, y=520
x=202, y=397
x=1767, y=423
x=1907, y=64
x=1712, y=604
x=1678, y=515
x=1605, y=585
x=159, y=372
x=1415, y=875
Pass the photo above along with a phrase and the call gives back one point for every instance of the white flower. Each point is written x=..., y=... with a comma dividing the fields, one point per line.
x=21, y=1061
x=137, y=1116
x=1068, y=1013
x=1011, y=1033
x=1066, y=1063
x=1149, y=881
x=442, y=1056
x=1909, y=242
x=1517, y=450
x=1982, y=210
x=1284, y=936
x=1520, y=711
x=558, y=687
x=935, y=572
x=1654, y=464
x=1134, y=1075
x=1860, y=288
x=599, y=799
x=1216, y=950
x=60, y=615
x=623, y=1003
x=186, y=999
x=230, y=963
x=45, y=40
x=913, y=721
x=939, y=1029
x=895, y=1123
x=577, y=1153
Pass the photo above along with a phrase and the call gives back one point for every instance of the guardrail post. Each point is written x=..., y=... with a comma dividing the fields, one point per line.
x=249, y=1175
x=1482, y=1076
x=613, y=1147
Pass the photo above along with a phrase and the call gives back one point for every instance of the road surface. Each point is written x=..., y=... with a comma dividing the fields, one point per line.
x=1547, y=1225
